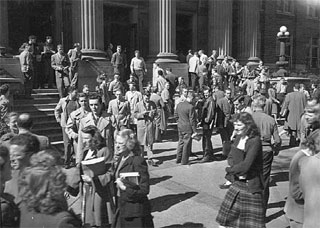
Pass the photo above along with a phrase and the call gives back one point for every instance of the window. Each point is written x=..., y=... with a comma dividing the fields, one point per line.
x=285, y=6
x=314, y=53
x=312, y=11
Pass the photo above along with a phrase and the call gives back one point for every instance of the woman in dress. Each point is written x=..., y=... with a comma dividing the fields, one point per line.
x=243, y=203
x=97, y=189
x=133, y=204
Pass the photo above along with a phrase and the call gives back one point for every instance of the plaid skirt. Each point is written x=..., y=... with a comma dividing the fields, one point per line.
x=241, y=209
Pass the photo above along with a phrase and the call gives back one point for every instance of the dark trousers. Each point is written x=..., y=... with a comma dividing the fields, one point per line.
x=203, y=80
x=119, y=69
x=267, y=162
x=62, y=84
x=68, y=146
x=194, y=77
x=48, y=72
x=184, y=147
x=28, y=83
x=73, y=77
x=225, y=134
x=206, y=143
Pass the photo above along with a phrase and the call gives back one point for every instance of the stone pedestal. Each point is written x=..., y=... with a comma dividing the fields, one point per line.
x=4, y=37
x=220, y=27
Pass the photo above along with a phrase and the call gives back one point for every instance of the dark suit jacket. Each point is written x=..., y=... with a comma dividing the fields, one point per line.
x=186, y=118
x=224, y=111
x=133, y=202
x=58, y=62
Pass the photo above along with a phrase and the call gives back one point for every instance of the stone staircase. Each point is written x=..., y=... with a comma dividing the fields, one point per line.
x=41, y=108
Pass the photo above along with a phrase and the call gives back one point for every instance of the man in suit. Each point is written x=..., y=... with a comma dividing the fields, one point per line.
x=119, y=62
x=119, y=111
x=138, y=68
x=173, y=80
x=293, y=107
x=194, y=63
x=99, y=118
x=269, y=132
x=206, y=121
x=62, y=112
x=186, y=119
x=223, y=120
x=60, y=63
x=72, y=127
x=35, y=52
x=25, y=123
x=145, y=113
x=27, y=70
x=46, y=59
x=74, y=57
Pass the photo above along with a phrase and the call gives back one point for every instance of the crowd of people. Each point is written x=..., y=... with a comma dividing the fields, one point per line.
x=121, y=119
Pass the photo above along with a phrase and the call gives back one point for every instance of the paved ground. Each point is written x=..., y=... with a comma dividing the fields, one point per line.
x=189, y=196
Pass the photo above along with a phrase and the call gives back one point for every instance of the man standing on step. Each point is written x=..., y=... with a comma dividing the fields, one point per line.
x=99, y=118
x=73, y=122
x=62, y=111
x=60, y=63
x=27, y=70
x=119, y=62
x=25, y=123
x=75, y=57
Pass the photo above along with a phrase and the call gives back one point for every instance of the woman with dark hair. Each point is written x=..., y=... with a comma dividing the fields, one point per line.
x=132, y=180
x=97, y=189
x=243, y=203
x=41, y=188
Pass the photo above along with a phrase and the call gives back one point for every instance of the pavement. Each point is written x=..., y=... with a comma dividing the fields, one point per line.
x=189, y=196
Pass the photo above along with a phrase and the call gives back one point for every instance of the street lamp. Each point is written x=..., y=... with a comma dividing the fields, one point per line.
x=283, y=36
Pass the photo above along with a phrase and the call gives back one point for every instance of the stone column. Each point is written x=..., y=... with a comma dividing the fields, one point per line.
x=249, y=29
x=4, y=37
x=162, y=36
x=90, y=34
x=220, y=27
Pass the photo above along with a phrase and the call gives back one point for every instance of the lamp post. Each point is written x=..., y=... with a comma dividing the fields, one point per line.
x=283, y=36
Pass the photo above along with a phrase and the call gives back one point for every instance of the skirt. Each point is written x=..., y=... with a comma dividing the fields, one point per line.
x=241, y=208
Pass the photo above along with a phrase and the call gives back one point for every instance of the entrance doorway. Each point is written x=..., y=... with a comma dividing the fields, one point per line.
x=184, y=32
x=119, y=30
x=29, y=18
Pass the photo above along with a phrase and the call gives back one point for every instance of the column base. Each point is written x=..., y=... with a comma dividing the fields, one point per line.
x=167, y=58
x=93, y=54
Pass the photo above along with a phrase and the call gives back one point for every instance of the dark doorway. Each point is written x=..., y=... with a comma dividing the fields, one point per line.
x=118, y=28
x=184, y=32
x=29, y=18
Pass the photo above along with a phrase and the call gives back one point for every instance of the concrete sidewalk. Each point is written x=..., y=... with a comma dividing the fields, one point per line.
x=189, y=196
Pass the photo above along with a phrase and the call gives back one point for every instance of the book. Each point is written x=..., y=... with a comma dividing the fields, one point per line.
x=95, y=166
x=132, y=177
x=196, y=136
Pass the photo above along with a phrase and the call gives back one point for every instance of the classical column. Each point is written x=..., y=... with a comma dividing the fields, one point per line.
x=162, y=37
x=4, y=40
x=220, y=27
x=90, y=33
x=249, y=29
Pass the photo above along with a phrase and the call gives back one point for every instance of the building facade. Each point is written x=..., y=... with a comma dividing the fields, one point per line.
x=163, y=29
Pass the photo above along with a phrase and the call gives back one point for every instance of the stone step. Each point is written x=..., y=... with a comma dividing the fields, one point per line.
x=45, y=91
x=43, y=118
x=30, y=108
x=56, y=138
x=39, y=100
x=37, y=112
x=48, y=130
x=51, y=123
x=45, y=95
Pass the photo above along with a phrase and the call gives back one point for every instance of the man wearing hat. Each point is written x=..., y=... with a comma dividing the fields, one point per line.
x=74, y=57
x=132, y=80
x=221, y=71
x=46, y=58
x=35, y=56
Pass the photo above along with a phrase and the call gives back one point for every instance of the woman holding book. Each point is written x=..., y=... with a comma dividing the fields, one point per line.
x=97, y=189
x=132, y=181
x=243, y=205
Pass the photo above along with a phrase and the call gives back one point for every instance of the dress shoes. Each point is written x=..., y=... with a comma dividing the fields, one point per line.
x=206, y=159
